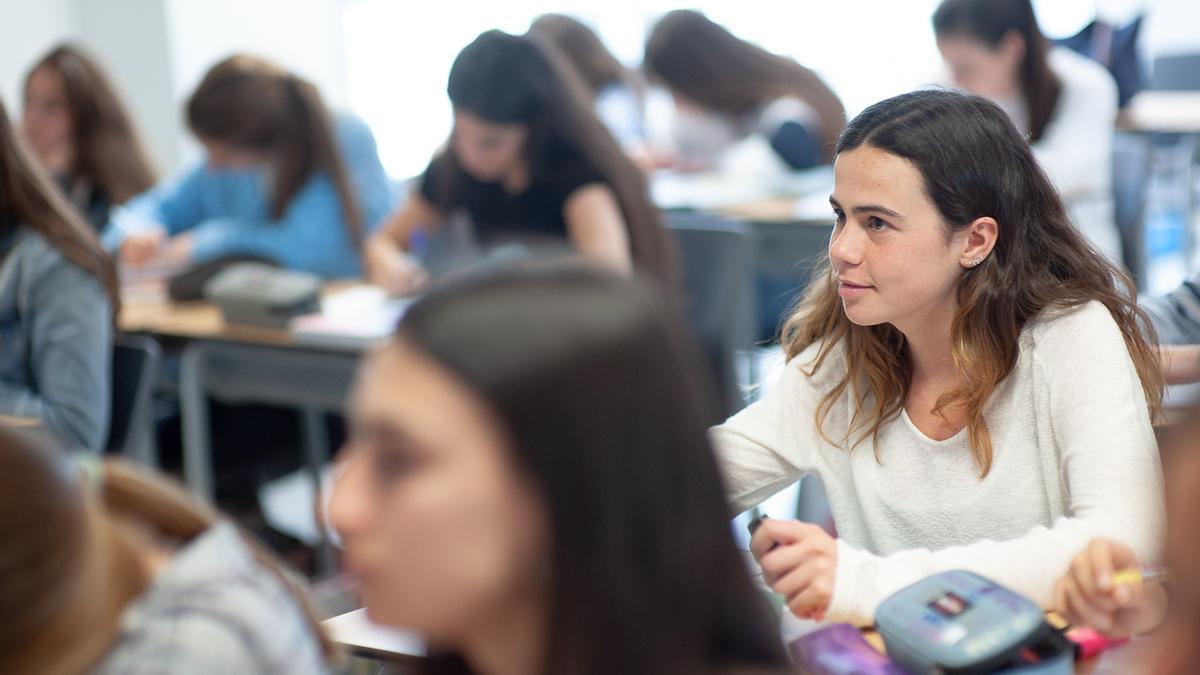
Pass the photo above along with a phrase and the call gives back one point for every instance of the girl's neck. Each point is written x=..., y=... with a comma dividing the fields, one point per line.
x=929, y=342
x=513, y=642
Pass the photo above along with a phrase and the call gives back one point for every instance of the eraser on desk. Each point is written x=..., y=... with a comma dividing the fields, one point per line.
x=1089, y=643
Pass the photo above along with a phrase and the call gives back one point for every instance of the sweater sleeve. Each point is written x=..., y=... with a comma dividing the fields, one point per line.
x=175, y=204
x=1108, y=461
x=773, y=442
x=70, y=336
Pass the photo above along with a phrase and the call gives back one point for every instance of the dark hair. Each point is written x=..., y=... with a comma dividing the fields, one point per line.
x=108, y=153
x=511, y=79
x=27, y=197
x=69, y=553
x=974, y=164
x=583, y=48
x=989, y=21
x=704, y=62
x=254, y=104
x=604, y=406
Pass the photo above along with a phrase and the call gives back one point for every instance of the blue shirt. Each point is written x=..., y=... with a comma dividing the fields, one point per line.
x=227, y=211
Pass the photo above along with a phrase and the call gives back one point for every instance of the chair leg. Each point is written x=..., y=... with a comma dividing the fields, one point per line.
x=315, y=439
x=193, y=409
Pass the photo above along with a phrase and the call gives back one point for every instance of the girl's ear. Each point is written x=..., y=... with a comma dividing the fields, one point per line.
x=980, y=239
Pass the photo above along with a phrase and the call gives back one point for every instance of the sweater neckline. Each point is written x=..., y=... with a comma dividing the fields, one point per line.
x=953, y=440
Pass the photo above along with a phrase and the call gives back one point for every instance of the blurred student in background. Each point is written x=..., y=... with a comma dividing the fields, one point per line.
x=80, y=131
x=58, y=296
x=281, y=180
x=528, y=485
x=1064, y=103
x=527, y=160
x=617, y=91
x=726, y=90
x=106, y=569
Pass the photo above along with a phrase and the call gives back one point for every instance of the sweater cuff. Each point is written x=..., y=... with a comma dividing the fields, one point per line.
x=854, y=586
x=211, y=239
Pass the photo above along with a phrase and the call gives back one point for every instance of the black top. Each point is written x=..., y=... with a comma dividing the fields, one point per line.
x=496, y=213
x=91, y=202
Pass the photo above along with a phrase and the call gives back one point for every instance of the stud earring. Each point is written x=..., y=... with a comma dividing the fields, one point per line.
x=975, y=261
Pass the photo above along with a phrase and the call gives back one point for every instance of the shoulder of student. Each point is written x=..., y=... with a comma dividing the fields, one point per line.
x=1078, y=330
x=214, y=595
x=41, y=263
x=1081, y=75
x=354, y=135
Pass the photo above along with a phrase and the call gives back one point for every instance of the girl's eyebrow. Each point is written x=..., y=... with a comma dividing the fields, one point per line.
x=867, y=208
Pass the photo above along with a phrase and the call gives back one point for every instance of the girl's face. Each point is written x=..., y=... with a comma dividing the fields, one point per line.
x=892, y=256
x=975, y=66
x=444, y=532
x=488, y=151
x=46, y=120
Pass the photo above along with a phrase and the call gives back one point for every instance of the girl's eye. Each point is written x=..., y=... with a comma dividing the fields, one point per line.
x=839, y=216
x=876, y=224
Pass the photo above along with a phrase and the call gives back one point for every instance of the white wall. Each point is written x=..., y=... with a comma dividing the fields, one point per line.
x=130, y=37
x=27, y=30
x=310, y=43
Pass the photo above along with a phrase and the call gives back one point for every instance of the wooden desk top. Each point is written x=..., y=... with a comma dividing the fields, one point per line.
x=199, y=320
x=1163, y=112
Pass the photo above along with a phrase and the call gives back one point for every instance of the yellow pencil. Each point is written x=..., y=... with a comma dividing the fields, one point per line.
x=1146, y=575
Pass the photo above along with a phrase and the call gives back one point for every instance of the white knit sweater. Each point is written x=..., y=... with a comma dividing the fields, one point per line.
x=1074, y=458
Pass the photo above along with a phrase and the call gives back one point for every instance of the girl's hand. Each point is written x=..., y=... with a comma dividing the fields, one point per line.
x=140, y=248
x=394, y=270
x=1087, y=594
x=799, y=562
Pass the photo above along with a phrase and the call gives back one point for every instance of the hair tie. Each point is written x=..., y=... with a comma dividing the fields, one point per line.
x=92, y=468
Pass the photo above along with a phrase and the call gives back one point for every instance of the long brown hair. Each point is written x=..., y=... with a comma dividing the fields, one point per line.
x=641, y=486
x=108, y=151
x=513, y=79
x=701, y=60
x=27, y=197
x=69, y=553
x=251, y=103
x=974, y=164
x=583, y=48
x=990, y=21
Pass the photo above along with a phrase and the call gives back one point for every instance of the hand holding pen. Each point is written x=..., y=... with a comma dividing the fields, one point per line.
x=1107, y=589
x=799, y=562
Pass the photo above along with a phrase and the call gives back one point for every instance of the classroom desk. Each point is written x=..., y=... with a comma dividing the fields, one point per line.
x=244, y=364
x=11, y=422
x=358, y=636
x=1169, y=112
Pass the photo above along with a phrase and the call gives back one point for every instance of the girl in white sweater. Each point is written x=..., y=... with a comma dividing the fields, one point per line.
x=966, y=376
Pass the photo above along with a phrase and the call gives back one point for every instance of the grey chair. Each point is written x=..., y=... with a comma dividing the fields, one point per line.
x=134, y=373
x=716, y=256
x=1176, y=72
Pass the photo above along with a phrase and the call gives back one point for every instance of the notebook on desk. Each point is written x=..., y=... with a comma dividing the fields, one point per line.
x=361, y=636
x=354, y=319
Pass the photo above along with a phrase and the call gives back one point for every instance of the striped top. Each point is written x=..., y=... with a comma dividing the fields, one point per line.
x=214, y=609
x=1176, y=316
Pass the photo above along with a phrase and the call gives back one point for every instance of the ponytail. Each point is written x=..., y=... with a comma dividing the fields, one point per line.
x=250, y=103
x=307, y=145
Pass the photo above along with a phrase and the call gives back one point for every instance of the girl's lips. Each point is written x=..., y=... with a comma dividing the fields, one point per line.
x=849, y=290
